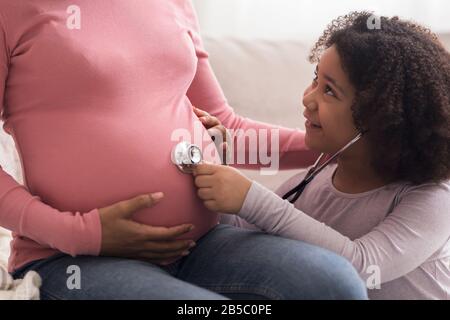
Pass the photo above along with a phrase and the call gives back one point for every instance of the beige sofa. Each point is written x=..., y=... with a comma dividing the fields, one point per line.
x=263, y=80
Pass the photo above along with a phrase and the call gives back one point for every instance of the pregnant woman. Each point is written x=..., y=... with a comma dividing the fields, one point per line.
x=91, y=95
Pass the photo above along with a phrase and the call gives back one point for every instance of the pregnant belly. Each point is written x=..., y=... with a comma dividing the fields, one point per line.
x=85, y=165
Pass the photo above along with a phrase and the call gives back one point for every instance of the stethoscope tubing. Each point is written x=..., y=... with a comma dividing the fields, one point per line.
x=316, y=169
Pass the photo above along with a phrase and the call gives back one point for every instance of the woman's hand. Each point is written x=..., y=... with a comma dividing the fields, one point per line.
x=124, y=237
x=219, y=134
x=221, y=188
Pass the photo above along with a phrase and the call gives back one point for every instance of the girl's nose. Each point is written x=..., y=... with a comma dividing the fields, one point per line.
x=311, y=107
x=309, y=100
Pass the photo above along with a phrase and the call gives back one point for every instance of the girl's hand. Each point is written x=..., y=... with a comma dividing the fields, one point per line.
x=124, y=237
x=221, y=188
x=219, y=134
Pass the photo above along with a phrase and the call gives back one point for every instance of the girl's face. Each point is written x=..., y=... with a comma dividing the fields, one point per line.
x=327, y=101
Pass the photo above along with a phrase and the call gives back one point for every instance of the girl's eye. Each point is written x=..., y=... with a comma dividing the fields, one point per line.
x=329, y=91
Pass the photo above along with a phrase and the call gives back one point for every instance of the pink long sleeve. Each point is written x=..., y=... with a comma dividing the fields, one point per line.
x=24, y=214
x=71, y=232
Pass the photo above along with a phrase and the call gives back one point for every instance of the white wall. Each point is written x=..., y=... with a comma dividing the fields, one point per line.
x=306, y=19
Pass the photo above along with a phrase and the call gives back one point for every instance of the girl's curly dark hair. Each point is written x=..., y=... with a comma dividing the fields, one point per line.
x=401, y=74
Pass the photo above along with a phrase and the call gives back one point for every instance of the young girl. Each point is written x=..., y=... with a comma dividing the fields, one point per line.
x=385, y=203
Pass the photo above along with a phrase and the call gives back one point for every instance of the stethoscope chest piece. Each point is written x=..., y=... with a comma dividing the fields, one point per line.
x=186, y=156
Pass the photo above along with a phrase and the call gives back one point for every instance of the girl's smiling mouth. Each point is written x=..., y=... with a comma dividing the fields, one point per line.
x=312, y=125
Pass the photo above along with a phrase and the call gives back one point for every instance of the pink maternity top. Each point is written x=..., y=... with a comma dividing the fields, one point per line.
x=91, y=95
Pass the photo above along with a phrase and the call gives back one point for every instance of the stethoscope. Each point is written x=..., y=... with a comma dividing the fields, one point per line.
x=186, y=156
x=315, y=169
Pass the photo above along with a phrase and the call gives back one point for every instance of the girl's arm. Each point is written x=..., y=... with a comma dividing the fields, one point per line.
x=418, y=226
x=236, y=221
x=206, y=94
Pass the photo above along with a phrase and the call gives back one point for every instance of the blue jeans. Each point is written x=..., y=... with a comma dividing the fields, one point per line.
x=228, y=262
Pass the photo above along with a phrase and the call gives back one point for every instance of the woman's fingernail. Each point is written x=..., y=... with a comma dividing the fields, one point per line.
x=192, y=244
x=185, y=253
